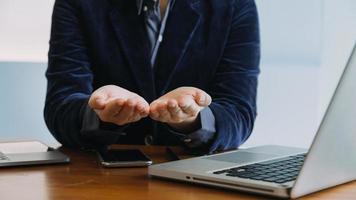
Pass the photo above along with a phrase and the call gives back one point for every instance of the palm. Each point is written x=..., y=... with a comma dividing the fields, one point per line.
x=111, y=92
x=180, y=106
x=118, y=105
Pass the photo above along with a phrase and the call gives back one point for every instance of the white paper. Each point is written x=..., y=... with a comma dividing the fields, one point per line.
x=22, y=147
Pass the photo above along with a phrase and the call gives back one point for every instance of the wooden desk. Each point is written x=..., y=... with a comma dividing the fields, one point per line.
x=84, y=178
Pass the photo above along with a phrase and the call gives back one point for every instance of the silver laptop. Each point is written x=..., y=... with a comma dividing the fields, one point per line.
x=284, y=171
x=22, y=156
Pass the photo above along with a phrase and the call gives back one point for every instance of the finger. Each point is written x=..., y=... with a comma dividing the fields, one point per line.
x=111, y=110
x=202, y=98
x=142, y=107
x=154, y=114
x=155, y=110
x=126, y=112
x=173, y=107
x=188, y=106
x=119, y=104
x=139, y=106
x=145, y=112
x=141, y=110
x=97, y=102
x=175, y=111
x=164, y=115
x=136, y=118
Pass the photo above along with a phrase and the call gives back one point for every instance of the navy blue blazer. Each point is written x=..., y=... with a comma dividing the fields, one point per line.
x=209, y=44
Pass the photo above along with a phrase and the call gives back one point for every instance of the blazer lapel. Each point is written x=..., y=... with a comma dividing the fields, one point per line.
x=180, y=28
x=129, y=29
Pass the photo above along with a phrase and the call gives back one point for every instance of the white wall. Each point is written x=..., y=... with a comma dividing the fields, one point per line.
x=291, y=31
x=291, y=55
x=22, y=89
x=305, y=44
x=338, y=40
x=24, y=29
x=294, y=92
x=24, y=36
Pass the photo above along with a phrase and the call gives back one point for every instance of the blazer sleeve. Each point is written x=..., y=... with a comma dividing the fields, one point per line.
x=235, y=85
x=69, y=76
x=70, y=79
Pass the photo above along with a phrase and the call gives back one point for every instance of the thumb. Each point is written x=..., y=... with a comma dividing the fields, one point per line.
x=97, y=102
x=202, y=99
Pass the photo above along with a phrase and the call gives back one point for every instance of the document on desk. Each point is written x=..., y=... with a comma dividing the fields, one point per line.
x=22, y=147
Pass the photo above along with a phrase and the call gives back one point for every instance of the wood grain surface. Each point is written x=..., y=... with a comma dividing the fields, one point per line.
x=84, y=178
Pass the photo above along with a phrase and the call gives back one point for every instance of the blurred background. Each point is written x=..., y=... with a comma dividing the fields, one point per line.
x=305, y=46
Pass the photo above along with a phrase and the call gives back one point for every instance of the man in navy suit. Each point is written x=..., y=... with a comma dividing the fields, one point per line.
x=154, y=72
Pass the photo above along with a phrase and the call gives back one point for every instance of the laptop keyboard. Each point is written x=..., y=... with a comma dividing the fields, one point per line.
x=277, y=171
x=3, y=157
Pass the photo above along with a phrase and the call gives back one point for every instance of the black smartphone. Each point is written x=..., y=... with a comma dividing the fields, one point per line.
x=123, y=158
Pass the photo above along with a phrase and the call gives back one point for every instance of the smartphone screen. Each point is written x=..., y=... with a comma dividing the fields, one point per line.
x=124, y=158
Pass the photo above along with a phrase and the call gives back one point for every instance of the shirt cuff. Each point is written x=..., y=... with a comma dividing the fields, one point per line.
x=98, y=132
x=90, y=120
x=203, y=136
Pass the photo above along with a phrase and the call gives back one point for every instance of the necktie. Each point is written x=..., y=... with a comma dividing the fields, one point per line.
x=152, y=20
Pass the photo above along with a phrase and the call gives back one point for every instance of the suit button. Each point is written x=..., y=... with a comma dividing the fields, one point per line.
x=187, y=140
x=149, y=140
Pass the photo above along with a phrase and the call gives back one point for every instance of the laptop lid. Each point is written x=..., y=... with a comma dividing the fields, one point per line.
x=20, y=153
x=332, y=157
